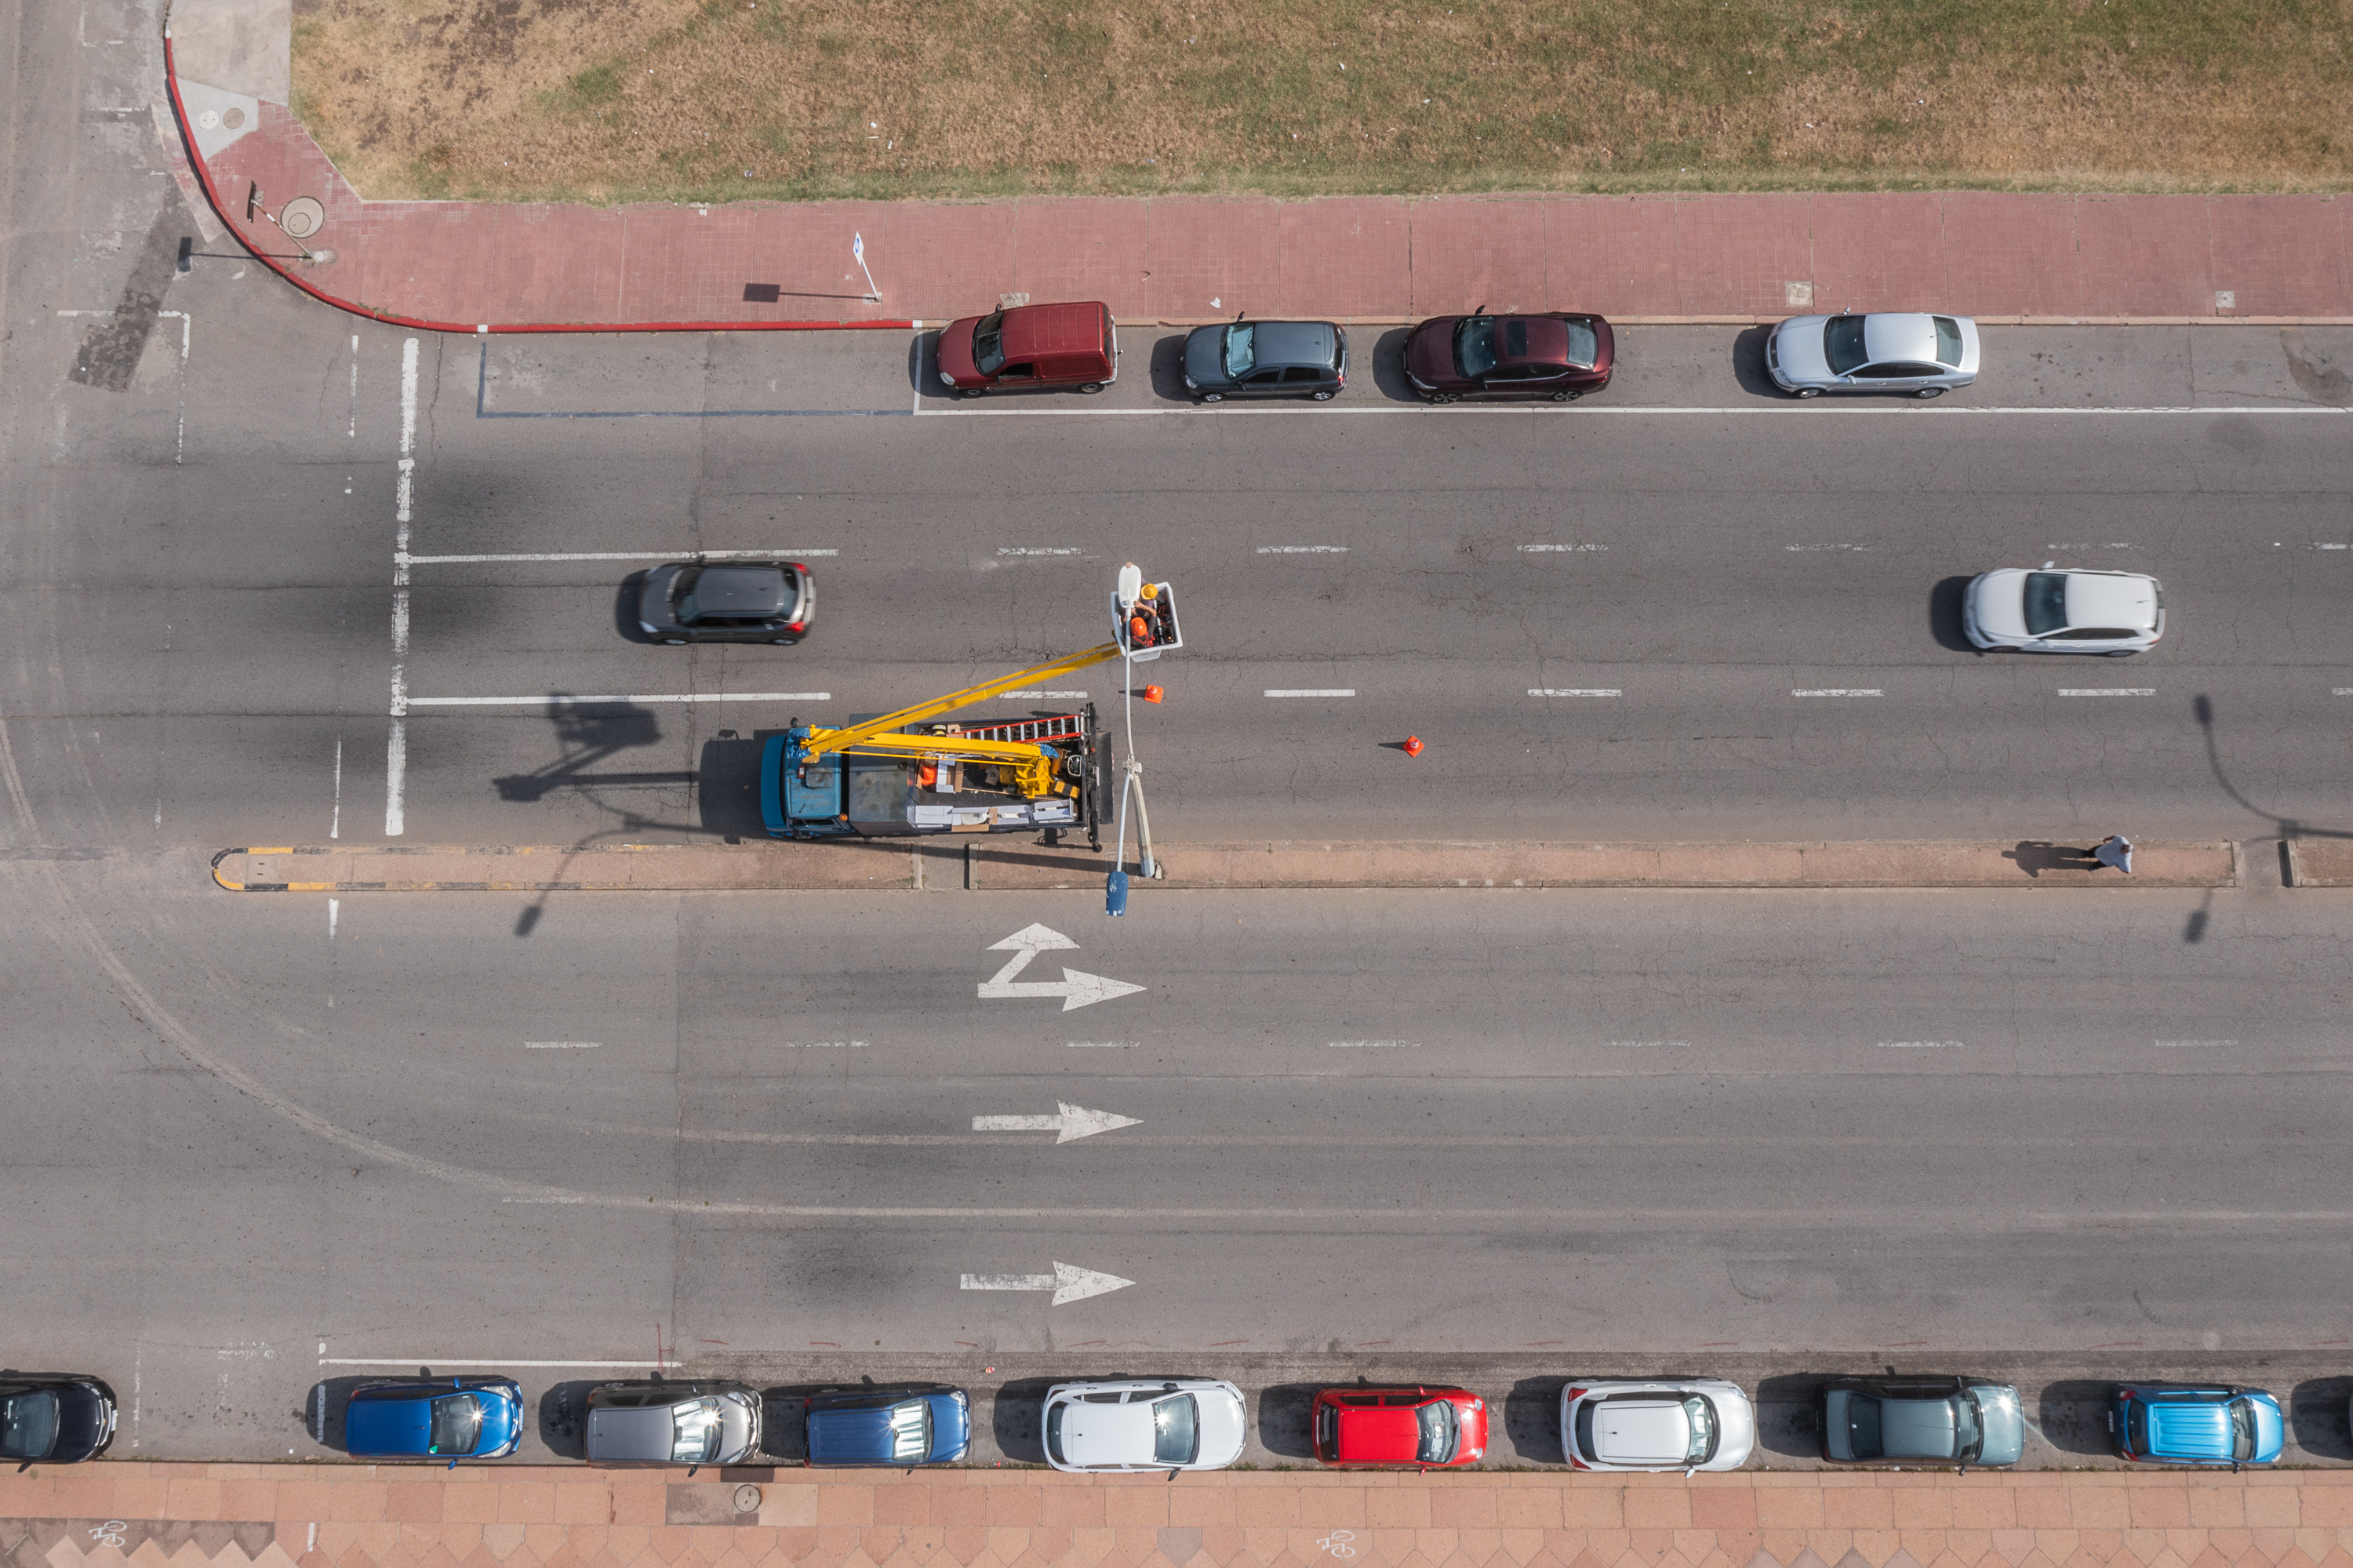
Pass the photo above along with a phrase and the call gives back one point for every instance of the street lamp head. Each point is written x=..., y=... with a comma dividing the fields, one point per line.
x=1131, y=586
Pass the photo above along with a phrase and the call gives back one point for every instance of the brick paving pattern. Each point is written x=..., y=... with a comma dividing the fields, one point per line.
x=1738, y=257
x=355, y=1515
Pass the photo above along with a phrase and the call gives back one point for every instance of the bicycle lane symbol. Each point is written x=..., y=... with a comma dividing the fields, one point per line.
x=108, y=1535
x=1337, y=1543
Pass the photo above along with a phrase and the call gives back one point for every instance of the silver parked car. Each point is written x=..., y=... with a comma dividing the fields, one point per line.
x=1693, y=1424
x=1887, y=351
x=1179, y=1424
x=673, y=1424
x=2074, y=611
x=1958, y=1421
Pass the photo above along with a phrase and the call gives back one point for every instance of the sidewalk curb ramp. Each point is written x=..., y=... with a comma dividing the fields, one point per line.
x=934, y=865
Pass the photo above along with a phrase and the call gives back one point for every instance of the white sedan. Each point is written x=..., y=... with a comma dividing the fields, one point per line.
x=1185, y=1424
x=1887, y=351
x=1697, y=1424
x=2048, y=611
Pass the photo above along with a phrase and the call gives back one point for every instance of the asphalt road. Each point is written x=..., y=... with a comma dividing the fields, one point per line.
x=251, y=1144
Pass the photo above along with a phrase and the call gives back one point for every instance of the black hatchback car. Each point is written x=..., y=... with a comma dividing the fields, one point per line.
x=743, y=601
x=58, y=1418
x=1266, y=359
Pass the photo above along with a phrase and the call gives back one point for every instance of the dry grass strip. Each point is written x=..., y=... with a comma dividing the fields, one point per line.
x=718, y=100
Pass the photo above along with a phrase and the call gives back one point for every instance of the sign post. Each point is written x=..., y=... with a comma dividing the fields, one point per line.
x=857, y=249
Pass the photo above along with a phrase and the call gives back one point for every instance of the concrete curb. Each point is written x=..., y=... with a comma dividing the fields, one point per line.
x=973, y=864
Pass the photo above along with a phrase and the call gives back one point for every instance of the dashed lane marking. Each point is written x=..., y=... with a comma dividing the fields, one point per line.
x=563, y=1044
x=1311, y=691
x=1303, y=549
x=2107, y=690
x=1839, y=692
x=1575, y=692
x=1918, y=1045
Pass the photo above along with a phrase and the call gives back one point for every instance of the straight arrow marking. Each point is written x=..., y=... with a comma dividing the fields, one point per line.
x=1069, y=1122
x=1068, y=1282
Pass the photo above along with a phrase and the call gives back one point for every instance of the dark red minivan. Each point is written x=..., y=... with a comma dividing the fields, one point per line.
x=1029, y=346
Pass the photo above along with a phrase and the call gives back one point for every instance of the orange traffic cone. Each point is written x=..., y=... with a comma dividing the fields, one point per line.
x=1413, y=745
x=1151, y=694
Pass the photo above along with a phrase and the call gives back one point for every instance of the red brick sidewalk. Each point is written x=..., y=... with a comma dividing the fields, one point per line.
x=464, y=264
x=361, y=1516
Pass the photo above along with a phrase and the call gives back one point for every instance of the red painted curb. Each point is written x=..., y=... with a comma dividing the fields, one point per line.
x=204, y=178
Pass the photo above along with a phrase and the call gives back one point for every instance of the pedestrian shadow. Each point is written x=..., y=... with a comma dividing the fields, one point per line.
x=1945, y=615
x=2035, y=856
x=2202, y=707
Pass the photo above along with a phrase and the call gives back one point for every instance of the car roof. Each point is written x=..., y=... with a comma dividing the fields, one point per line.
x=1899, y=335
x=1918, y=1426
x=1109, y=1433
x=1548, y=340
x=1030, y=329
x=862, y=1431
x=1642, y=1431
x=1295, y=343
x=2111, y=598
x=630, y=1432
x=391, y=1421
x=2189, y=1429
x=1386, y=1434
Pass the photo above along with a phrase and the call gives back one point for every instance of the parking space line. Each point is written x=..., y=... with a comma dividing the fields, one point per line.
x=408, y=560
x=1814, y=408
x=568, y=699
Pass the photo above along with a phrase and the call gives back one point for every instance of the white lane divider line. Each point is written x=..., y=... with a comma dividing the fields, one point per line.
x=1839, y=692
x=1042, y=550
x=2112, y=546
x=395, y=745
x=334, y=907
x=335, y=818
x=1311, y=690
x=1575, y=692
x=2317, y=544
x=1557, y=549
x=1103, y=1044
x=1645, y=1044
x=1061, y=696
x=2107, y=690
x=2196, y=1044
x=1068, y=1282
x=1068, y=1123
x=1918, y=1045
x=563, y=1044
x=825, y=1044
x=1374, y=1044
x=567, y=699
x=1303, y=549
x=1809, y=548
x=2340, y=691
x=677, y=555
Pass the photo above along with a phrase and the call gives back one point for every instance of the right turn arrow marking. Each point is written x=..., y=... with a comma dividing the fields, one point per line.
x=1070, y=1121
x=1068, y=1282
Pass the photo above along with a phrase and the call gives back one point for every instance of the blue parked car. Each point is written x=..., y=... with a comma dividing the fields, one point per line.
x=889, y=1426
x=2231, y=1427
x=450, y=1418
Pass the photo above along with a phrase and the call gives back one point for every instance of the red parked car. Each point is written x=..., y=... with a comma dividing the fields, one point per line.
x=1405, y=1428
x=1030, y=346
x=1557, y=356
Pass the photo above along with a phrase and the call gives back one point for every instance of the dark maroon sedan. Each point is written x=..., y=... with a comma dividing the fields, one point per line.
x=1554, y=355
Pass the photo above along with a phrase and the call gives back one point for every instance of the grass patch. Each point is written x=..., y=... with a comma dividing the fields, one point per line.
x=719, y=100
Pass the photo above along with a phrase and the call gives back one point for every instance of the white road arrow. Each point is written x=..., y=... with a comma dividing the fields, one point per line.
x=1071, y=1121
x=1067, y=1283
x=1076, y=988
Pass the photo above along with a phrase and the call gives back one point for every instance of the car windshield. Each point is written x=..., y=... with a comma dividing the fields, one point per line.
x=456, y=1424
x=910, y=1430
x=2137, y=1427
x=1584, y=344
x=28, y=1425
x=1054, y=1435
x=2242, y=1429
x=1439, y=1431
x=1948, y=341
x=1702, y=1415
x=1175, y=1430
x=2046, y=603
x=1862, y=1438
x=1968, y=1429
x=1474, y=346
x=1843, y=343
x=989, y=344
x=694, y=1431
x=1242, y=350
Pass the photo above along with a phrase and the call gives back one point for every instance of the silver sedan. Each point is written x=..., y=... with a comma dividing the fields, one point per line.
x=1884, y=351
x=2048, y=611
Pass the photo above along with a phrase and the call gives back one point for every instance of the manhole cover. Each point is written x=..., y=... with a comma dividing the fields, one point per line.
x=302, y=217
x=233, y=118
x=747, y=1499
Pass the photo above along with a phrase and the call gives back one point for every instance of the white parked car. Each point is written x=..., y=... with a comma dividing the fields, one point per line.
x=1182, y=1424
x=1887, y=351
x=2048, y=611
x=1698, y=1424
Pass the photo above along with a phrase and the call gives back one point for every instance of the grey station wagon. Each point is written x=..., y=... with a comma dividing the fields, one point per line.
x=1922, y=1420
x=1266, y=359
x=673, y=1424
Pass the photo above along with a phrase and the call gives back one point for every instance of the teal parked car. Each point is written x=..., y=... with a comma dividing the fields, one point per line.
x=2231, y=1427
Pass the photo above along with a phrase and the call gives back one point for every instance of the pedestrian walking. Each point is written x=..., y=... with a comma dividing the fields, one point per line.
x=2116, y=850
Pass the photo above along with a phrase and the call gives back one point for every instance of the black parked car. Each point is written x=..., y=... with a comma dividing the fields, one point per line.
x=743, y=601
x=1266, y=359
x=56, y=1418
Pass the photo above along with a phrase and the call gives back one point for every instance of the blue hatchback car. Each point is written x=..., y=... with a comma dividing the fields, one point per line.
x=2229, y=1426
x=450, y=1418
x=889, y=1426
